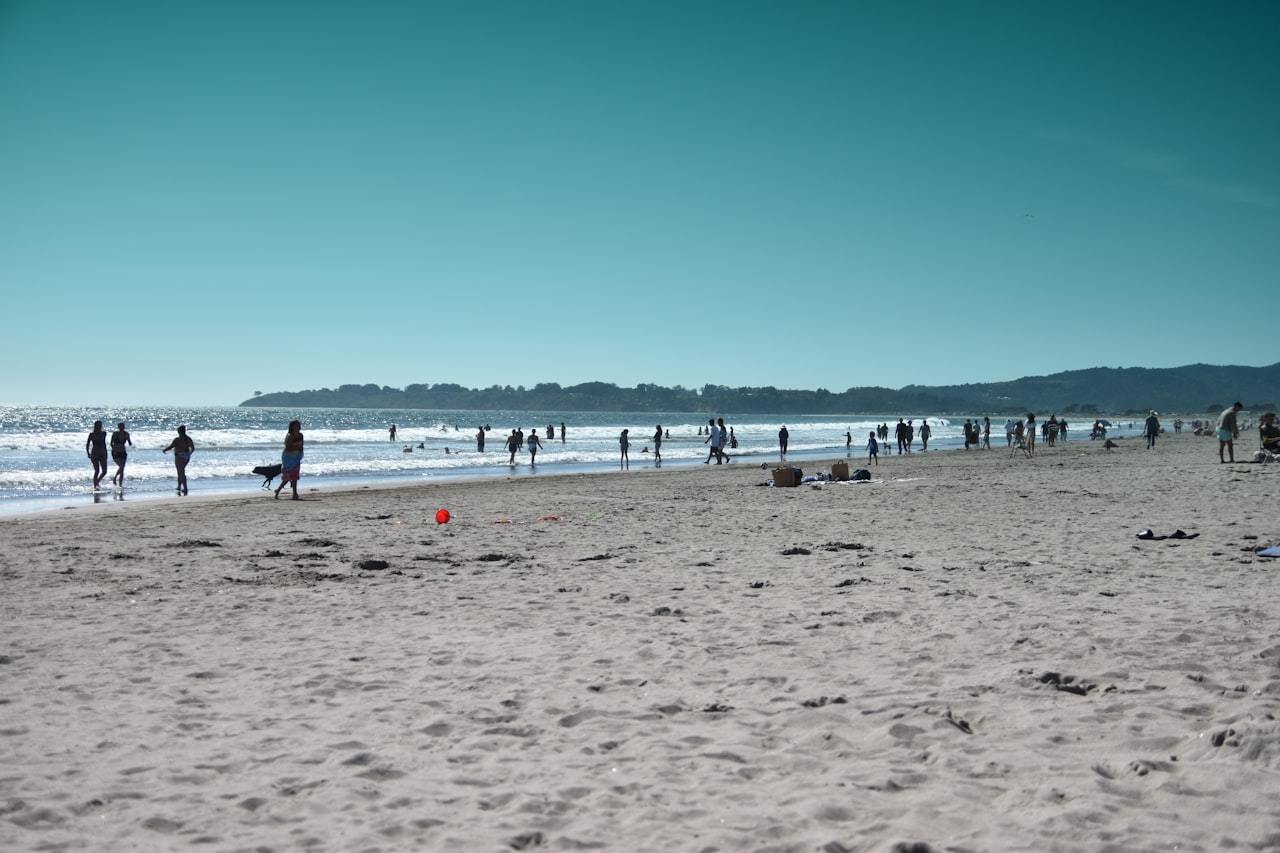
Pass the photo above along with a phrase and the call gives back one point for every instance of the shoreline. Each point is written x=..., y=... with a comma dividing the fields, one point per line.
x=810, y=461
x=972, y=651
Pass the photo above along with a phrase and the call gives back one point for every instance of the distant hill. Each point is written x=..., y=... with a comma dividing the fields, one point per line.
x=1193, y=389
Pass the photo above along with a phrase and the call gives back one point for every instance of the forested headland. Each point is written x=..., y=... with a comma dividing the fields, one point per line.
x=1193, y=389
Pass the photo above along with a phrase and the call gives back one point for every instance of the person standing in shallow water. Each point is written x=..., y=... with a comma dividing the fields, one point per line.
x=96, y=447
x=182, y=447
x=783, y=438
x=119, y=455
x=291, y=459
x=624, y=444
x=657, y=444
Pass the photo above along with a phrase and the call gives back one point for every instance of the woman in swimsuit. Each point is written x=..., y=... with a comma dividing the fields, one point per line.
x=291, y=459
x=119, y=455
x=96, y=447
x=182, y=447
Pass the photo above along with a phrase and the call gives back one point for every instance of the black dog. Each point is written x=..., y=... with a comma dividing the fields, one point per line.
x=268, y=471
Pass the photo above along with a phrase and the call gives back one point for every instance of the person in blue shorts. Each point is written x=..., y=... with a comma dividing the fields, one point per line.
x=1228, y=431
x=182, y=447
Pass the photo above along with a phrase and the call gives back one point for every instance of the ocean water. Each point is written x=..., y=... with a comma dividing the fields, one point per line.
x=43, y=464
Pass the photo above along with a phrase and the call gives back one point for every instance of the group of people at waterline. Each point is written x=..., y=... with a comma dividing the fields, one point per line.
x=719, y=438
x=183, y=446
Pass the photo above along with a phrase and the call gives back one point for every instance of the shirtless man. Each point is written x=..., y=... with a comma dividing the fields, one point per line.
x=119, y=455
x=1228, y=432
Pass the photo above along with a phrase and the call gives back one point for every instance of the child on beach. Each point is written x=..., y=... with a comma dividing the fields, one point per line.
x=873, y=449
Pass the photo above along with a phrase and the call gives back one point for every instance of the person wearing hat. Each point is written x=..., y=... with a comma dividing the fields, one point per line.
x=1152, y=429
x=1269, y=433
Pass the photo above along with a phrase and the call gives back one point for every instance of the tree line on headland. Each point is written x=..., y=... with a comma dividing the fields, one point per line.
x=1192, y=389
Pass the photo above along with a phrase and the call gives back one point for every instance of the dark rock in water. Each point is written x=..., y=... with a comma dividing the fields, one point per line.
x=373, y=565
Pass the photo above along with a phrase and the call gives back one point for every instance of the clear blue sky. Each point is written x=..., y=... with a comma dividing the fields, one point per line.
x=203, y=200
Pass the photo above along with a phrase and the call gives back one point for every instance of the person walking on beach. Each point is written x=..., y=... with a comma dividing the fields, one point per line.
x=713, y=439
x=119, y=455
x=1029, y=433
x=291, y=459
x=657, y=444
x=96, y=448
x=925, y=432
x=182, y=447
x=848, y=441
x=783, y=436
x=900, y=433
x=535, y=444
x=1228, y=432
x=513, y=444
x=1151, y=428
x=724, y=440
x=624, y=444
x=873, y=449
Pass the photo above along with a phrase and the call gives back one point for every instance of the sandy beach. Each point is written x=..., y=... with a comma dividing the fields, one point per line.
x=973, y=652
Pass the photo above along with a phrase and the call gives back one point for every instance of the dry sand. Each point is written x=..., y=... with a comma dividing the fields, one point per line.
x=973, y=653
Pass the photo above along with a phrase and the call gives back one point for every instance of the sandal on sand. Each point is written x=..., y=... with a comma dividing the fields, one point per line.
x=1177, y=534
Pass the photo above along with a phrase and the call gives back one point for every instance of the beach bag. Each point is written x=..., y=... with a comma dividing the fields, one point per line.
x=860, y=474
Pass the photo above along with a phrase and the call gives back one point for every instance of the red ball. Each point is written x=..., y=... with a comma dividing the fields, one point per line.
x=442, y=516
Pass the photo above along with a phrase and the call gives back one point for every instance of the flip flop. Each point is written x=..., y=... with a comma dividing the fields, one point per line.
x=1178, y=534
x=1147, y=534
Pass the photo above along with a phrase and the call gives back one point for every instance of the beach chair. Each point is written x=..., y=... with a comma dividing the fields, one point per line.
x=1019, y=445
